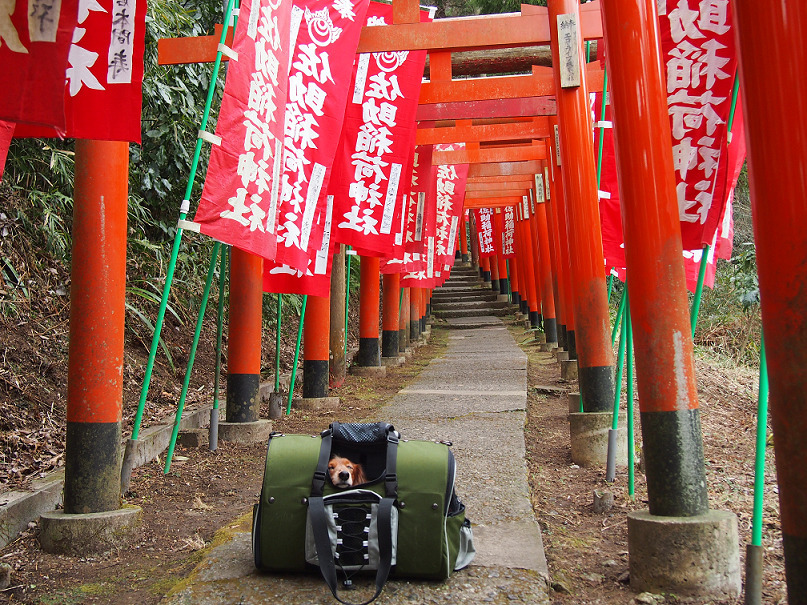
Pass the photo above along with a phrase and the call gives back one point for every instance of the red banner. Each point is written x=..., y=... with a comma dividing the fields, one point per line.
x=377, y=137
x=34, y=46
x=240, y=197
x=449, y=199
x=6, y=132
x=103, y=92
x=416, y=204
x=700, y=59
x=315, y=280
x=484, y=230
x=509, y=233
x=326, y=35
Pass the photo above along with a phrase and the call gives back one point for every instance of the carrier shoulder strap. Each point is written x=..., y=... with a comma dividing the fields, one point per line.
x=322, y=541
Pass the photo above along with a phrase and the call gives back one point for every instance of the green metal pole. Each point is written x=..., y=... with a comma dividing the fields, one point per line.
x=178, y=418
x=602, y=129
x=762, y=443
x=214, y=413
x=277, y=342
x=754, y=553
x=735, y=91
x=619, y=313
x=696, y=302
x=631, y=444
x=169, y=277
x=610, y=286
x=296, y=355
x=613, y=433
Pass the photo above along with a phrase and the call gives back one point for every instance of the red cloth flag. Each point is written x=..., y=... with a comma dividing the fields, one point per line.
x=484, y=230
x=416, y=224
x=34, y=45
x=6, y=132
x=375, y=143
x=509, y=233
x=449, y=197
x=326, y=35
x=103, y=92
x=700, y=59
x=240, y=197
x=315, y=280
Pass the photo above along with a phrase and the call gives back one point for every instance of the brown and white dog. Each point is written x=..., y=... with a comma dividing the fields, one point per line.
x=345, y=473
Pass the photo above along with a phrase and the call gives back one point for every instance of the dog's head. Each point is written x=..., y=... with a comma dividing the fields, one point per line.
x=345, y=473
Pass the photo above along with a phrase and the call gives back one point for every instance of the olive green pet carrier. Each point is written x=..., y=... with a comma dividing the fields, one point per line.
x=406, y=520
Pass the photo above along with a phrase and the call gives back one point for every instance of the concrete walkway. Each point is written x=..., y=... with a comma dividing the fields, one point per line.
x=475, y=395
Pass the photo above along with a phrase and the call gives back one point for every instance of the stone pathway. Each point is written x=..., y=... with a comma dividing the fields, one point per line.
x=475, y=395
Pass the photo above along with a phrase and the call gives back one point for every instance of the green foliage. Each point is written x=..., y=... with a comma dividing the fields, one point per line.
x=744, y=279
x=173, y=100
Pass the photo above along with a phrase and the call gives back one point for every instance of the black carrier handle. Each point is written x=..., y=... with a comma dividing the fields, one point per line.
x=359, y=433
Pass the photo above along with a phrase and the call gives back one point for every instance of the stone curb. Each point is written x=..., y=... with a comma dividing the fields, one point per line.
x=18, y=508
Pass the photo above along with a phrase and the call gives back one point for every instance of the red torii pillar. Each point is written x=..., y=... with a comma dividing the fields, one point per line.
x=244, y=337
x=484, y=269
x=369, y=354
x=540, y=236
x=403, y=322
x=774, y=92
x=665, y=368
x=463, y=239
x=316, y=347
x=530, y=251
x=414, y=314
x=595, y=356
x=97, y=296
x=566, y=337
x=515, y=278
x=493, y=261
x=95, y=361
x=391, y=312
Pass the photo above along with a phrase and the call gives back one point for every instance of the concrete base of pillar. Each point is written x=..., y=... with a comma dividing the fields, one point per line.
x=588, y=433
x=91, y=533
x=393, y=361
x=707, y=567
x=568, y=369
x=245, y=432
x=368, y=370
x=277, y=403
x=503, y=298
x=316, y=403
x=574, y=402
x=548, y=347
x=561, y=355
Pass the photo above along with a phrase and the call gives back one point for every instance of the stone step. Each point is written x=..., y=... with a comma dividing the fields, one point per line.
x=472, y=312
x=481, y=304
x=468, y=296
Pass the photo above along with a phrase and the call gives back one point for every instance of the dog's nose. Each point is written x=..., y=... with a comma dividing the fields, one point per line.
x=344, y=475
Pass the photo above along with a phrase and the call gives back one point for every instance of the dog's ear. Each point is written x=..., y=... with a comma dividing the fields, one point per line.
x=358, y=475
